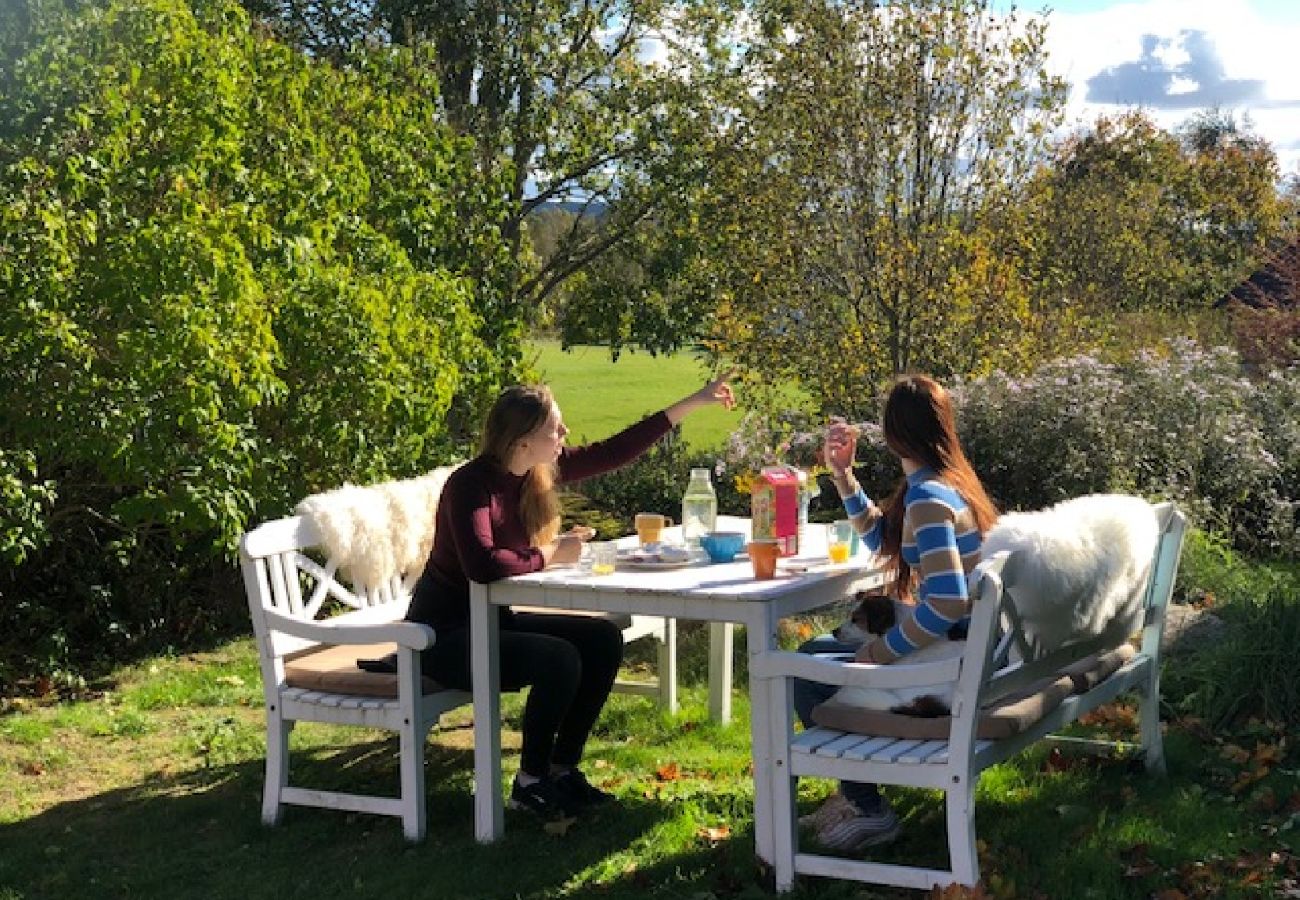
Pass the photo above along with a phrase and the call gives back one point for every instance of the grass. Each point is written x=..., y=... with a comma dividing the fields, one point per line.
x=600, y=397
x=152, y=789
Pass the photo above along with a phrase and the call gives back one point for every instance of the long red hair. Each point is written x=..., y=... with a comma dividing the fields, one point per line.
x=919, y=424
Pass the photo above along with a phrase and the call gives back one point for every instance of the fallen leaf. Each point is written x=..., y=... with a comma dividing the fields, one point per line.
x=1169, y=894
x=1269, y=754
x=558, y=827
x=32, y=768
x=668, y=772
x=958, y=892
x=1233, y=753
x=1246, y=779
x=714, y=834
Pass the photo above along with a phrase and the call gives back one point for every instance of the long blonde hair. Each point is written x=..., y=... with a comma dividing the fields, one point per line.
x=517, y=413
x=919, y=424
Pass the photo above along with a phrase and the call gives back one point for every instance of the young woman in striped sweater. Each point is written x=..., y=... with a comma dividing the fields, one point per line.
x=928, y=534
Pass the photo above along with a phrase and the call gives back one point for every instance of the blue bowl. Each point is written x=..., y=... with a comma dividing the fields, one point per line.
x=722, y=546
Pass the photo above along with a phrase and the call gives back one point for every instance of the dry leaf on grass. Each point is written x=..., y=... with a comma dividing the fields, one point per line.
x=668, y=772
x=714, y=834
x=959, y=892
x=558, y=827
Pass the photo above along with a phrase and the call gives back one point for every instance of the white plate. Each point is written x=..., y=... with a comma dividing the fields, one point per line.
x=635, y=560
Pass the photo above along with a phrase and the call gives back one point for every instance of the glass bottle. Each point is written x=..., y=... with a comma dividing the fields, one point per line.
x=699, y=507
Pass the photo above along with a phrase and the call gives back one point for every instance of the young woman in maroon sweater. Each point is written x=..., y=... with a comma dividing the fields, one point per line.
x=499, y=516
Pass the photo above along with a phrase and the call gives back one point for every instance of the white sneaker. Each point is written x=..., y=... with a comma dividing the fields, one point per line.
x=860, y=830
x=836, y=808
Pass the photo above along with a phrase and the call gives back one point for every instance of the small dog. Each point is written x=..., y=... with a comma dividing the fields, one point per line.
x=874, y=615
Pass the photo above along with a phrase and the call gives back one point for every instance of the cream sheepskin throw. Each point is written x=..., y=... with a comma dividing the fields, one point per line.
x=380, y=531
x=1083, y=567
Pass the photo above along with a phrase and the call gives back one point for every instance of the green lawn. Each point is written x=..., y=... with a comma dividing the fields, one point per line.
x=599, y=397
x=151, y=789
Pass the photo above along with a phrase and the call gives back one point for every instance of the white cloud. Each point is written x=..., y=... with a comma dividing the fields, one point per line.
x=1173, y=57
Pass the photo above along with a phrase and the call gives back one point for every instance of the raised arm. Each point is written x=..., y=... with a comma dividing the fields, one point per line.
x=839, y=447
x=716, y=391
x=577, y=463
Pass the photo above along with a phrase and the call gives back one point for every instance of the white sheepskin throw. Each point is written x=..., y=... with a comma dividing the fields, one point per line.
x=380, y=531
x=1083, y=567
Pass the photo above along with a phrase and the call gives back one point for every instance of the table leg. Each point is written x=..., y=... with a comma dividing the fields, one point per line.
x=484, y=618
x=760, y=636
x=721, y=655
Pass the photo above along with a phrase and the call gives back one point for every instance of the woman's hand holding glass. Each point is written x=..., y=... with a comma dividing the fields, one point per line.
x=840, y=446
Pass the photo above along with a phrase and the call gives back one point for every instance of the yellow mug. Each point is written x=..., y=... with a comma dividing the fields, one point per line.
x=650, y=527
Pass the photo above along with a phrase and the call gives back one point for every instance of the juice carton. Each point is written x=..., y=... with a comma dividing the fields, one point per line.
x=774, y=506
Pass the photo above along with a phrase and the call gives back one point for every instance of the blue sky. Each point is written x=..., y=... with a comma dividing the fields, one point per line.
x=1287, y=10
x=1175, y=57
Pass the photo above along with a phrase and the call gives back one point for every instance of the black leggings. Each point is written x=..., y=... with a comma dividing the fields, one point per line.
x=570, y=661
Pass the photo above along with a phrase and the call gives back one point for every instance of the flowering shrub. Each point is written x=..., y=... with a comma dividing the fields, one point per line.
x=791, y=438
x=1181, y=423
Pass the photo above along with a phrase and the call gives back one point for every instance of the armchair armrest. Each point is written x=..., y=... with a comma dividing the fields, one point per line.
x=411, y=635
x=784, y=664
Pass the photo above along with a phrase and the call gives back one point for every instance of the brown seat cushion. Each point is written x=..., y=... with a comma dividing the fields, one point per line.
x=333, y=669
x=1091, y=671
x=1009, y=716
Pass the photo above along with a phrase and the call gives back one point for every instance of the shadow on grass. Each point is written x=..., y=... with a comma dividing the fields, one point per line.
x=198, y=834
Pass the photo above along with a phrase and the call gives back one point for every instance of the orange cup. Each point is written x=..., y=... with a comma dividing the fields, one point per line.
x=762, y=554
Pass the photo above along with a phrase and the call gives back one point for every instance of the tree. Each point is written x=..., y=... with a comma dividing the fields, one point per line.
x=562, y=106
x=232, y=277
x=881, y=163
x=1229, y=204
x=1133, y=217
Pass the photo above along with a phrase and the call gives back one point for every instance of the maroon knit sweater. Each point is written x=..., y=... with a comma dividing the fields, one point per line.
x=479, y=535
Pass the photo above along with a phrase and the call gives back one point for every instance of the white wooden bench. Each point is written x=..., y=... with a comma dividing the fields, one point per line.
x=953, y=759
x=310, y=630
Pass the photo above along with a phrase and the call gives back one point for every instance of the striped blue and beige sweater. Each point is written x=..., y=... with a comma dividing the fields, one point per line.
x=942, y=545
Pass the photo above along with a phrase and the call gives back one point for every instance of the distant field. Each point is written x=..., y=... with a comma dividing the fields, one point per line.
x=599, y=397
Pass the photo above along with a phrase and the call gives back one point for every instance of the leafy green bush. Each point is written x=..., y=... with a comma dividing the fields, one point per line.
x=23, y=503
x=1250, y=671
x=233, y=275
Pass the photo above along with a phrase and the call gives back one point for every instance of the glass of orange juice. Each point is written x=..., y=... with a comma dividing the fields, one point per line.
x=604, y=555
x=838, y=537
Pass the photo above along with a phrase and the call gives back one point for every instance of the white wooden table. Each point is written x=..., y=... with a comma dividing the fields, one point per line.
x=720, y=593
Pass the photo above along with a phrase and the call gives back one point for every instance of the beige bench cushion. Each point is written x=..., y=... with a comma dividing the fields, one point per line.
x=1005, y=718
x=334, y=669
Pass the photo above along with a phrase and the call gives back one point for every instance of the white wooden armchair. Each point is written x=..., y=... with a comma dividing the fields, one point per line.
x=311, y=629
x=309, y=672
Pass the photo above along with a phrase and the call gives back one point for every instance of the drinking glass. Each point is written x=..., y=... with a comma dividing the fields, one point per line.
x=839, y=536
x=604, y=554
